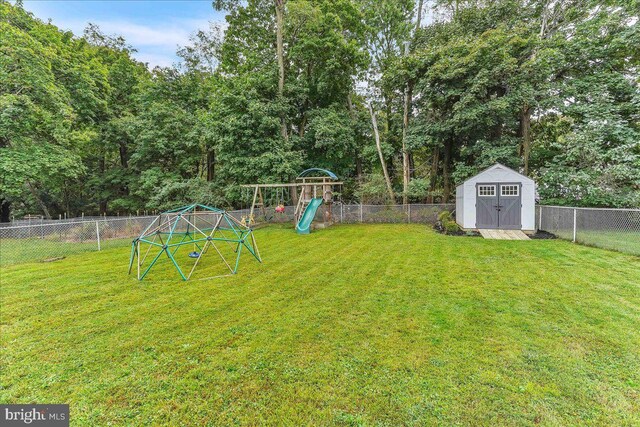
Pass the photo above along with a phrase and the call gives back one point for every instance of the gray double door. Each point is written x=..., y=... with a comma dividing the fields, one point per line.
x=499, y=205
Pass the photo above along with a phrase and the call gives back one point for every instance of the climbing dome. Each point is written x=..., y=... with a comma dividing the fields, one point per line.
x=189, y=234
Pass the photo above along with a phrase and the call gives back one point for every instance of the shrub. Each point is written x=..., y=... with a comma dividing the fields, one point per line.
x=444, y=216
x=373, y=191
x=418, y=190
x=446, y=224
x=451, y=227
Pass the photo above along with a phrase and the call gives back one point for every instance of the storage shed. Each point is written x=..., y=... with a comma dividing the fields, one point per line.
x=497, y=198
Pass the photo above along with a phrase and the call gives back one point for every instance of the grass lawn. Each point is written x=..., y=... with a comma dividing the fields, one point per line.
x=628, y=242
x=353, y=325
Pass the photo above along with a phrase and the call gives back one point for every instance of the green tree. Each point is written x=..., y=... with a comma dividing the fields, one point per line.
x=37, y=134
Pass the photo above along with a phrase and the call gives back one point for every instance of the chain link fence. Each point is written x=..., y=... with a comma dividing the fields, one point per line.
x=616, y=229
x=393, y=214
x=34, y=220
x=49, y=240
x=38, y=242
x=356, y=213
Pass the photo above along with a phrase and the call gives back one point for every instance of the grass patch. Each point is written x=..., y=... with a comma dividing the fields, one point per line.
x=353, y=325
x=627, y=242
x=18, y=251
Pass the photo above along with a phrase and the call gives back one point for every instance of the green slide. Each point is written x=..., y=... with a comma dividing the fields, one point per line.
x=304, y=225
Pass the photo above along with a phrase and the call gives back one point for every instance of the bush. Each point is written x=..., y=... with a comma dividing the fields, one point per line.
x=444, y=216
x=451, y=227
x=373, y=191
x=446, y=224
x=418, y=190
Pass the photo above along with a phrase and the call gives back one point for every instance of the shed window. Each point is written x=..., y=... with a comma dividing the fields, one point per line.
x=509, y=190
x=487, y=190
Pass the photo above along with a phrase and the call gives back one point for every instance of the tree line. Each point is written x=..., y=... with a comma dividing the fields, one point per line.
x=402, y=99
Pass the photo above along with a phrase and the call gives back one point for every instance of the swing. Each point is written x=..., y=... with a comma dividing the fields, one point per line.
x=267, y=201
x=280, y=198
x=194, y=253
x=247, y=220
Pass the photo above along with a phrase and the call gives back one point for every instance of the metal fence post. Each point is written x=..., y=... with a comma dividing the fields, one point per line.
x=341, y=214
x=360, y=212
x=98, y=234
x=574, y=224
x=409, y=214
x=540, y=217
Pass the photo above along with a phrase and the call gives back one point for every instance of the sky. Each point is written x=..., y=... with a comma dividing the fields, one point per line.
x=154, y=28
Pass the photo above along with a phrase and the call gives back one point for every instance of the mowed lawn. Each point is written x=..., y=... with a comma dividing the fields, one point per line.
x=352, y=325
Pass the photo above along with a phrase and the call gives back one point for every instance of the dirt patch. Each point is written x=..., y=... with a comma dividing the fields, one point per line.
x=58, y=258
x=439, y=228
x=540, y=234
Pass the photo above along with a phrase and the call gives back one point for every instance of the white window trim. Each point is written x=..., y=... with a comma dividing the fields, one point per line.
x=510, y=186
x=487, y=186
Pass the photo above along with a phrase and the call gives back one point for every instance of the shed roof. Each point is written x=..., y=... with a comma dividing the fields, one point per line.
x=495, y=168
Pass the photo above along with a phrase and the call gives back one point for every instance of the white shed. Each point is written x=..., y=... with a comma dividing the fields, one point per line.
x=497, y=198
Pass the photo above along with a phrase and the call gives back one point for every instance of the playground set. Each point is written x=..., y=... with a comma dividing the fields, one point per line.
x=312, y=189
x=203, y=228
x=195, y=226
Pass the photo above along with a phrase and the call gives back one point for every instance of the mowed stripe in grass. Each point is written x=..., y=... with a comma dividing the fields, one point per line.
x=352, y=325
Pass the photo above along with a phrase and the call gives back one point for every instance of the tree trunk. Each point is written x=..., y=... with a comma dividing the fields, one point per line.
x=419, y=16
x=525, y=131
x=412, y=166
x=435, y=160
x=102, y=204
x=34, y=193
x=387, y=122
x=543, y=21
x=124, y=161
x=280, y=55
x=356, y=153
x=303, y=124
x=406, y=170
x=408, y=100
x=376, y=134
x=446, y=192
x=67, y=205
x=211, y=164
x=5, y=210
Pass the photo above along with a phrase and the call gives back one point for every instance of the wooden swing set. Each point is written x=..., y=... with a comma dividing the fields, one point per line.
x=311, y=188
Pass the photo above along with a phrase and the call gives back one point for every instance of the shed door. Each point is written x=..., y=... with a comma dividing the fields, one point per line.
x=487, y=205
x=510, y=206
x=498, y=205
